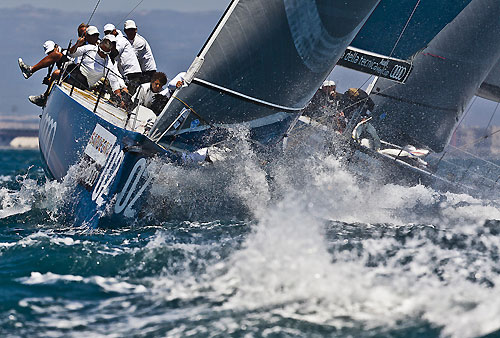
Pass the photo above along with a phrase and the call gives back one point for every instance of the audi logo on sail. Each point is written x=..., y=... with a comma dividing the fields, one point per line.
x=398, y=72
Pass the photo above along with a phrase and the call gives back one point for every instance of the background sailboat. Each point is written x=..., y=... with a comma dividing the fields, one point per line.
x=448, y=70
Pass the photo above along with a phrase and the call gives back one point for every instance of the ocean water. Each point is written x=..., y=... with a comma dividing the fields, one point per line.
x=221, y=252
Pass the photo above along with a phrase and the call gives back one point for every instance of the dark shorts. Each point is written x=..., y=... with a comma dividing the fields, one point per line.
x=74, y=77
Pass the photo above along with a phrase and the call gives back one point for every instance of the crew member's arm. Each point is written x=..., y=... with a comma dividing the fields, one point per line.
x=80, y=42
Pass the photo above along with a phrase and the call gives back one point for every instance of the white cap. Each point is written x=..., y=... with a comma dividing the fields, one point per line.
x=129, y=24
x=91, y=30
x=110, y=37
x=109, y=27
x=328, y=83
x=49, y=46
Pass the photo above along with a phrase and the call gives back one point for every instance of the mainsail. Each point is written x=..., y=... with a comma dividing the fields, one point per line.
x=446, y=75
x=264, y=57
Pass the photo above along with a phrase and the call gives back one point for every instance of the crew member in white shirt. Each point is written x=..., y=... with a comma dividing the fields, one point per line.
x=96, y=64
x=142, y=50
x=147, y=93
x=91, y=37
x=128, y=65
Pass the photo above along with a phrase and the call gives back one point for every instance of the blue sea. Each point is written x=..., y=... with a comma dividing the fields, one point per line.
x=218, y=253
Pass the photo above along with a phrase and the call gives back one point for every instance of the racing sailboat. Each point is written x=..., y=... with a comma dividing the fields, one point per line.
x=417, y=116
x=259, y=68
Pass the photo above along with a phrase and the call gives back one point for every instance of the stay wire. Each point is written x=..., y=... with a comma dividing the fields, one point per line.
x=95, y=9
x=126, y=16
x=478, y=140
x=404, y=29
x=482, y=138
x=491, y=118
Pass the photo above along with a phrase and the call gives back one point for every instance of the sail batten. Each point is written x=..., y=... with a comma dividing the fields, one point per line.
x=245, y=97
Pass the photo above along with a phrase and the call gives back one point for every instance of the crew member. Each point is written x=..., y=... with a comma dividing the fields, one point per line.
x=128, y=64
x=325, y=101
x=142, y=50
x=54, y=56
x=356, y=106
x=148, y=93
x=95, y=64
x=353, y=100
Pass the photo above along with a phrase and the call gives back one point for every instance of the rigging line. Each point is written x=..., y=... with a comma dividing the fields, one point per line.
x=195, y=113
x=475, y=156
x=126, y=16
x=404, y=29
x=477, y=141
x=192, y=110
x=467, y=112
x=492, y=116
x=95, y=8
x=459, y=123
x=368, y=79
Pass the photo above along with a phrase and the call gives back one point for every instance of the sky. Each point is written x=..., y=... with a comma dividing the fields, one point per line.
x=121, y=5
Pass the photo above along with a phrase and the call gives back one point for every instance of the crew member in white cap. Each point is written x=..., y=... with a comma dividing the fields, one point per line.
x=128, y=65
x=142, y=50
x=324, y=103
x=95, y=64
x=109, y=28
x=91, y=37
x=55, y=56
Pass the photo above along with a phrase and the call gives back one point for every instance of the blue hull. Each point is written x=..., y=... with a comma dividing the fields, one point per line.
x=108, y=164
x=103, y=156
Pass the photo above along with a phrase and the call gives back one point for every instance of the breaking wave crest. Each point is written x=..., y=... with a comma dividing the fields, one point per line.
x=292, y=247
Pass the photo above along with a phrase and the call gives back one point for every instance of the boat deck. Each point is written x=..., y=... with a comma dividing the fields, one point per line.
x=140, y=117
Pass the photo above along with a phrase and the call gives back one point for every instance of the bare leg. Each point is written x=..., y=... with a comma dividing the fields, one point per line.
x=47, y=61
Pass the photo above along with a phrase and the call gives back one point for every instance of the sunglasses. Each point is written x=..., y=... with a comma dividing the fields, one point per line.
x=103, y=51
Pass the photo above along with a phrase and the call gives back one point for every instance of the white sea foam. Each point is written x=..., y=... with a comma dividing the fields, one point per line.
x=64, y=241
x=286, y=260
x=286, y=266
x=108, y=284
x=49, y=278
x=13, y=203
x=5, y=178
x=218, y=191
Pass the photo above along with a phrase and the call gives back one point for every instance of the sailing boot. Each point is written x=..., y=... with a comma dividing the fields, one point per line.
x=39, y=100
x=25, y=69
